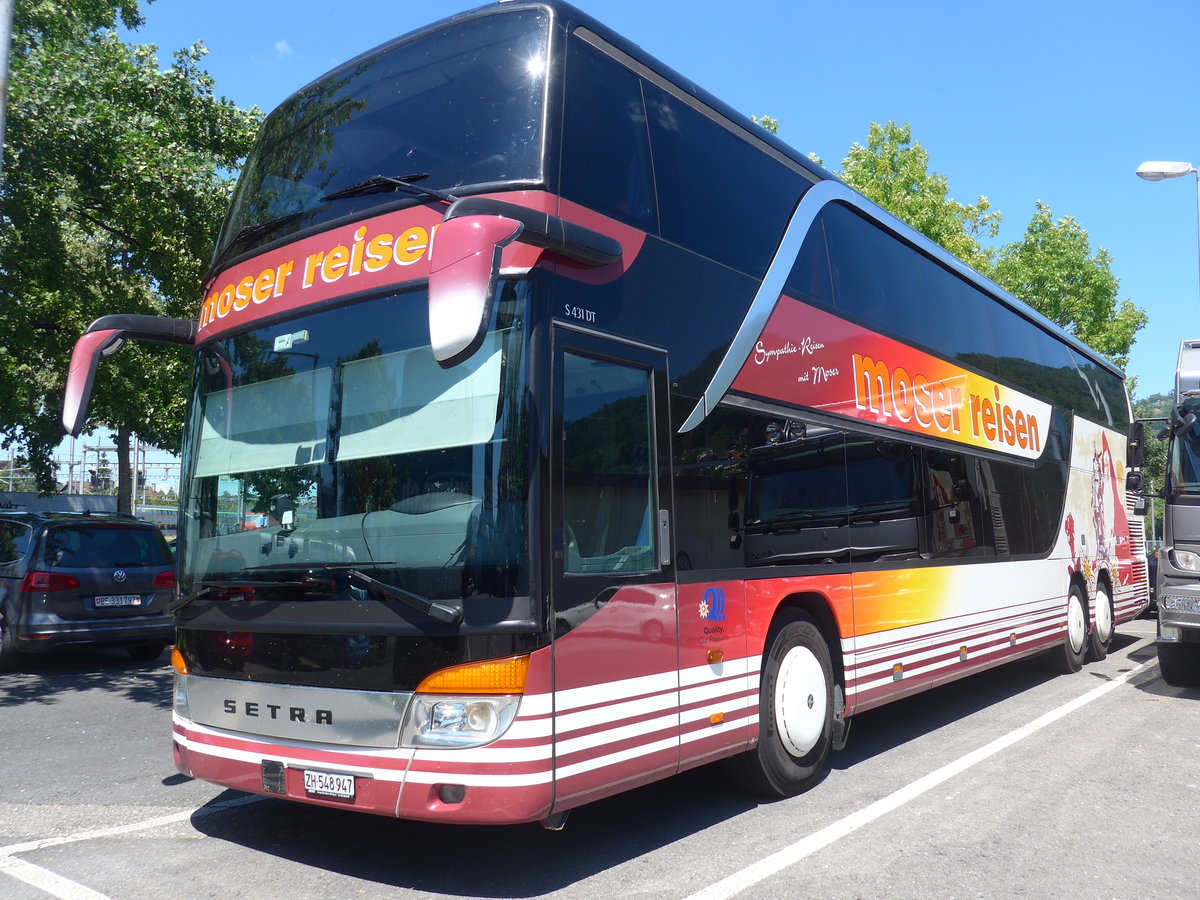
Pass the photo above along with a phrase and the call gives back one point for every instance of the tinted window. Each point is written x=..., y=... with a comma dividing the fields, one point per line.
x=462, y=106
x=717, y=194
x=13, y=539
x=810, y=279
x=608, y=491
x=875, y=277
x=884, y=501
x=894, y=288
x=955, y=511
x=796, y=506
x=100, y=546
x=606, y=150
x=1025, y=503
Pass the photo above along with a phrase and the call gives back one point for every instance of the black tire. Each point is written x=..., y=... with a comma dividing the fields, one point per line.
x=145, y=653
x=1101, y=637
x=795, y=712
x=1179, y=664
x=1069, y=657
x=10, y=656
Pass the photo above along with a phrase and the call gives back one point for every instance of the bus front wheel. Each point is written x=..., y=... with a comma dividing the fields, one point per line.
x=795, y=714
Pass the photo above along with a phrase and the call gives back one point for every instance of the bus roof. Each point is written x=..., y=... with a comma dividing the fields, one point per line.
x=570, y=18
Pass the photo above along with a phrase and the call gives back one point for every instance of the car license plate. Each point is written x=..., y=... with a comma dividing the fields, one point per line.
x=329, y=784
x=120, y=600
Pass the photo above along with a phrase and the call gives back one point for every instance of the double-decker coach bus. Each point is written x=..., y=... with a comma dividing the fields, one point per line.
x=598, y=435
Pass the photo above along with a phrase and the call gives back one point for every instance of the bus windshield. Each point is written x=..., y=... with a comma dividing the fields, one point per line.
x=460, y=107
x=336, y=440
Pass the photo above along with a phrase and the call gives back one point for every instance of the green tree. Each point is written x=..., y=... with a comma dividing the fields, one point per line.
x=893, y=170
x=116, y=175
x=1054, y=270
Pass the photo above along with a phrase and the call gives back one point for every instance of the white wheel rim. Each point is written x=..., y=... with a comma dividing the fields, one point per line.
x=800, y=701
x=1104, y=615
x=1076, y=623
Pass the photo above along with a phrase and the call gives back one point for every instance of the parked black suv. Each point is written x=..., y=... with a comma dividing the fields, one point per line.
x=83, y=578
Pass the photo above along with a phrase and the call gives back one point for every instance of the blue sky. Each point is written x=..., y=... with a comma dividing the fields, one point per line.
x=1053, y=100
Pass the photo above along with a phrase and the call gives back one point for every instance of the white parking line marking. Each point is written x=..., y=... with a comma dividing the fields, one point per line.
x=45, y=880
x=805, y=847
x=64, y=888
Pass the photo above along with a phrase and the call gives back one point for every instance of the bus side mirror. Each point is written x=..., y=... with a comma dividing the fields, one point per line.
x=463, y=277
x=103, y=338
x=1133, y=481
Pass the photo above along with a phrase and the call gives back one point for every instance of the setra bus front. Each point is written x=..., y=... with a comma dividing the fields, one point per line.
x=358, y=621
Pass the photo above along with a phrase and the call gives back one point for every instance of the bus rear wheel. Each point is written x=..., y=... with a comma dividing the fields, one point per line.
x=795, y=713
x=1102, y=635
x=1069, y=658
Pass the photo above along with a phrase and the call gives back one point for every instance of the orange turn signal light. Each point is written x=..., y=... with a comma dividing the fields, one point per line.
x=490, y=676
x=177, y=661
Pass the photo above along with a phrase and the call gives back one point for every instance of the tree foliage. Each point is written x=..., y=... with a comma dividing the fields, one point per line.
x=116, y=175
x=894, y=171
x=1054, y=270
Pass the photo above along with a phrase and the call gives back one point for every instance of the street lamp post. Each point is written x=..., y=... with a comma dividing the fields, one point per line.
x=1156, y=170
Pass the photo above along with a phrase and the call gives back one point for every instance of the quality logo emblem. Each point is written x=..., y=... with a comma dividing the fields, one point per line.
x=119, y=576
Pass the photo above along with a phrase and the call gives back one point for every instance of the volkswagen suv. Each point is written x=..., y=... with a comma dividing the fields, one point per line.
x=83, y=578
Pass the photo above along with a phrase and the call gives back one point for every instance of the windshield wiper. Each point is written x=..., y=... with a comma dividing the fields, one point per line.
x=382, y=184
x=445, y=614
x=212, y=587
x=249, y=232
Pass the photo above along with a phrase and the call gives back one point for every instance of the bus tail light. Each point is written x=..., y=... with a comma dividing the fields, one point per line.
x=465, y=706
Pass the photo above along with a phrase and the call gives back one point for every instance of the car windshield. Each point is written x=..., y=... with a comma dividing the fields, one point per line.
x=336, y=440
x=103, y=546
x=459, y=107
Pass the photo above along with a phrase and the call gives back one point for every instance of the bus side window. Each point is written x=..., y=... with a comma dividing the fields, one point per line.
x=954, y=508
x=884, y=504
x=606, y=149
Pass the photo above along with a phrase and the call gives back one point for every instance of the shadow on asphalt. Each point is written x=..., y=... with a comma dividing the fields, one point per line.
x=480, y=861
x=525, y=860
x=1150, y=681
x=884, y=729
x=44, y=678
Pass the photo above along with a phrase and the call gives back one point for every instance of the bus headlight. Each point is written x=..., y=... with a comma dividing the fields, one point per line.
x=1185, y=560
x=442, y=721
x=181, y=699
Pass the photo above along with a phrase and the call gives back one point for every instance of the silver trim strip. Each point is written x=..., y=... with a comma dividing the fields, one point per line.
x=324, y=715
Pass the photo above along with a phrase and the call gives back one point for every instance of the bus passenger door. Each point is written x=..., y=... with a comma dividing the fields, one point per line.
x=616, y=681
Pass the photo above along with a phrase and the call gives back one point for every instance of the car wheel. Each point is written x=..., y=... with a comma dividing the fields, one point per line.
x=795, y=713
x=1180, y=664
x=1102, y=635
x=10, y=656
x=145, y=653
